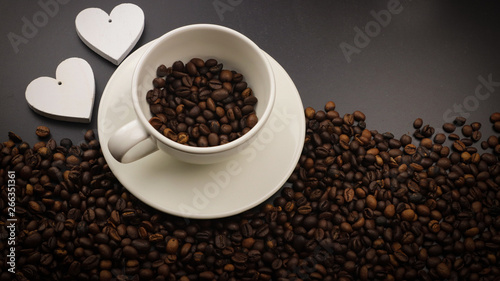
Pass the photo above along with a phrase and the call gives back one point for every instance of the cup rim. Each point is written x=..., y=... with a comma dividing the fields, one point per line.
x=210, y=149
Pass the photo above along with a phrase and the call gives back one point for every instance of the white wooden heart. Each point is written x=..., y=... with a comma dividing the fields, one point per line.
x=68, y=97
x=112, y=36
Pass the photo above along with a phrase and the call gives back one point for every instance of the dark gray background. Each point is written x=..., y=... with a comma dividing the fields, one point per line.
x=424, y=61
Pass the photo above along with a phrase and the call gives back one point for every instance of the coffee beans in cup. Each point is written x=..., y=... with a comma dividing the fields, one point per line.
x=199, y=103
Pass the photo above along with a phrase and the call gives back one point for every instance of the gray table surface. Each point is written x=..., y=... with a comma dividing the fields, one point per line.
x=395, y=61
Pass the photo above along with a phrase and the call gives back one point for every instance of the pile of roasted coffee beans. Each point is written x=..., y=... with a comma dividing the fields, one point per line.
x=200, y=103
x=360, y=205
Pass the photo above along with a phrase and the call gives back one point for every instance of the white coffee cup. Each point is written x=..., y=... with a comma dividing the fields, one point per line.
x=234, y=50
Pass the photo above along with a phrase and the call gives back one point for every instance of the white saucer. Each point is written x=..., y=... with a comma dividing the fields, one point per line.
x=206, y=191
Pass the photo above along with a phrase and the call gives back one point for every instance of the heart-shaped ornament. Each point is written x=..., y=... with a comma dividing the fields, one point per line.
x=112, y=36
x=68, y=97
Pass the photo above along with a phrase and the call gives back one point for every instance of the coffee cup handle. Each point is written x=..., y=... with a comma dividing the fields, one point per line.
x=127, y=137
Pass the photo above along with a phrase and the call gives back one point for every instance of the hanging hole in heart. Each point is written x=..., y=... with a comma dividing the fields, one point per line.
x=59, y=83
x=110, y=20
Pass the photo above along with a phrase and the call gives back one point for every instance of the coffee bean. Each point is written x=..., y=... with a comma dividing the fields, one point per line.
x=310, y=112
x=304, y=209
x=246, y=230
x=449, y=127
x=427, y=131
x=459, y=146
x=33, y=240
x=401, y=256
x=42, y=131
x=467, y=130
x=159, y=82
x=417, y=124
x=408, y=215
x=207, y=275
x=443, y=270
x=496, y=126
x=161, y=71
x=492, y=141
x=191, y=68
x=187, y=81
x=359, y=116
x=251, y=120
x=226, y=75
x=439, y=138
x=196, y=61
x=141, y=245
x=213, y=139
x=239, y=257
x=105, y=251
x=90, y=262
x=389, y=210
x=371, y=202
x=495, y=117
x=215, y=84
x=251, y=100
x=476, y=136
x=155, y=122
x=14, y=137
x=348, y=194
x=475, y=126
x=182, y=91
x=434, y=226
x=219, y=94
x=182, y=138
x=459, y=121
x=346, y=227
x=172, y=246
x=405, y=140
x=348, y=119
x=178, y=66
x=130, y=252
x=221, y=241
